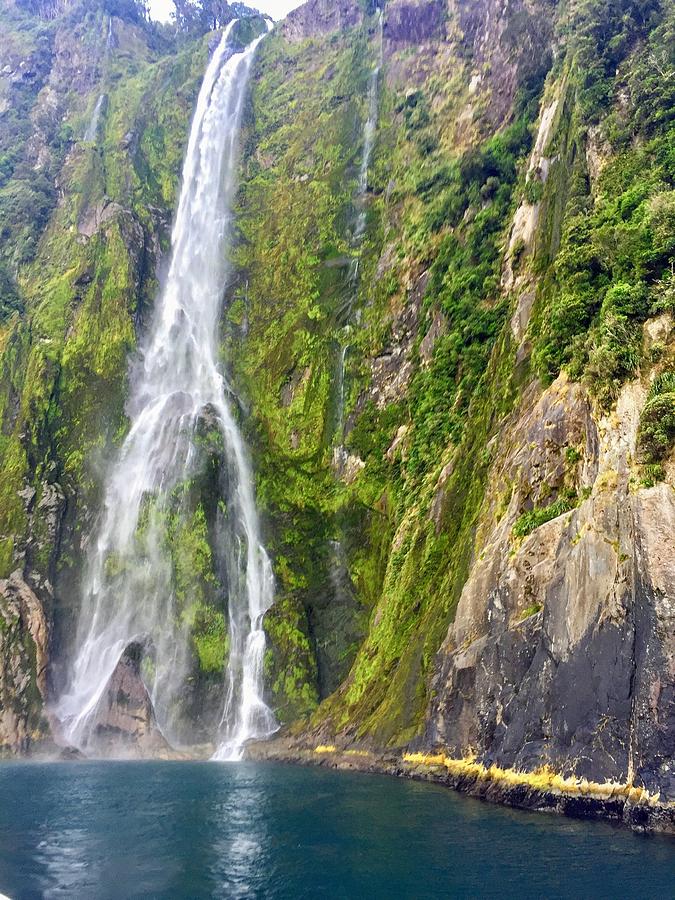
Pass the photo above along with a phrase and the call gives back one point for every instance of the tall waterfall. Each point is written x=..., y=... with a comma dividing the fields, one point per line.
x=128, y=595
x=369, y=132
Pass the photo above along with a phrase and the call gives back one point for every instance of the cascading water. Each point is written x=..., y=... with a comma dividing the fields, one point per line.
x=92, y=127
x=369, y=132
x=91, y=130
x=341, y=389
x=128, y=595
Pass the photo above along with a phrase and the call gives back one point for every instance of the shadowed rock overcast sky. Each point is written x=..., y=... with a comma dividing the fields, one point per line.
x=160, y=10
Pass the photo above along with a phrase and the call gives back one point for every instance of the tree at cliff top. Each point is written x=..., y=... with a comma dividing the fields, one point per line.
x=197, y=16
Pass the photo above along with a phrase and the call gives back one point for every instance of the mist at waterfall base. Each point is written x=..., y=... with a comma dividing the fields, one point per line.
x=188, y=830
x=177, y=388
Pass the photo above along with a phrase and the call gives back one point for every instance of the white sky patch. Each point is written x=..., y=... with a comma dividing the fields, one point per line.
x=160, y=10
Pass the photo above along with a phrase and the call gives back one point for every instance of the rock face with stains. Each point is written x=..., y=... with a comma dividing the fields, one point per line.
x=321, y=17
x=125, y=719
x=414, y=21
x=562, y=651
x=24, y=640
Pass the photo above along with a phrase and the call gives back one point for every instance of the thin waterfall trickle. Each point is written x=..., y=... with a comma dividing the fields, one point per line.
x=92, y=127
x=91, y=131
x=369, y=132
x=341, y=388
x=128, y=595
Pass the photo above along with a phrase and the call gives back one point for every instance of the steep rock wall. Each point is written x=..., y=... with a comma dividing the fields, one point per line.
x=561, y=651
x=24, y=642
x=526, y=524
x=461, y=417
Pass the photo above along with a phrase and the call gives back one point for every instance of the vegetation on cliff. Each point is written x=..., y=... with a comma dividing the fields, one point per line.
x=519, y=224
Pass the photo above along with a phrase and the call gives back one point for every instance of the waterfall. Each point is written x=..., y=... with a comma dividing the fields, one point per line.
x=340, y=378
x=92, y=127
x=369, y=132
x=176, y=383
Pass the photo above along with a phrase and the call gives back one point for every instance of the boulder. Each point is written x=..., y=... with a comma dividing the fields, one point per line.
x=125, y=723
x=24, y=637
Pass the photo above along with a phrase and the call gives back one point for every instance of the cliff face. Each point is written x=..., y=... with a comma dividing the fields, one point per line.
x=456, y=373
x=496, y=491
x=90, y=150
x=562, y=646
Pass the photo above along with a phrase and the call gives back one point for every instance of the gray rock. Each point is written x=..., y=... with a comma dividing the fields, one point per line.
x=24, y=639
x=125, y=719
x=317, y=17
x=563, y=647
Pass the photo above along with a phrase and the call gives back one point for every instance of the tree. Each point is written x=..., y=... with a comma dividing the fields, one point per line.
x=202, y=15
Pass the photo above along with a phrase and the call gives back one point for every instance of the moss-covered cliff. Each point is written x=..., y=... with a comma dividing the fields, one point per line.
x=519, y=225
x=455, y=375
x=96, y=106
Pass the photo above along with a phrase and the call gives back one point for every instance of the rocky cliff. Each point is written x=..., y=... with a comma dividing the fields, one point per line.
x=455, y=374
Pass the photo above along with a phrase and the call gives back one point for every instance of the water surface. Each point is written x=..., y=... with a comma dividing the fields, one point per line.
x=191, y=830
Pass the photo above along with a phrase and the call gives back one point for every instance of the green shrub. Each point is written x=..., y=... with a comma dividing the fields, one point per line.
x=533, y=518
x=656, y=432
x=614, y=356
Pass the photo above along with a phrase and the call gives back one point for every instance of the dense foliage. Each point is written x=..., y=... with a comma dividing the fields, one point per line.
x=618, y=245
x=375, y=371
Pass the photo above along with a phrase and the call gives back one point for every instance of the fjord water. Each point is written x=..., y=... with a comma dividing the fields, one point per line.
x=176, y=385
x=197, y=830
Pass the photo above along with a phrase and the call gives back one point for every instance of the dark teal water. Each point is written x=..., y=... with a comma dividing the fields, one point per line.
x=193, y=830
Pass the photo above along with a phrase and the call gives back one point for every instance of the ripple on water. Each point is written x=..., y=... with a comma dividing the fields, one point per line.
x=192, y=830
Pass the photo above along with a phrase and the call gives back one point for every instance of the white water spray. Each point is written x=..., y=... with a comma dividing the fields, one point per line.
x=92, y=127
x=128, y=593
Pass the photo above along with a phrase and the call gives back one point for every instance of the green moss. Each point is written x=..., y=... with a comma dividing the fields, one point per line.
x=290, y=664
x=188, y=539
x=527, y=522
x=530, y=611
x=211, y=640
x=6, y=556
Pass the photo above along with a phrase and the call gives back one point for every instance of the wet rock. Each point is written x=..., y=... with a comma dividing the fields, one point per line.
x=24, y=639
x=657, y=332
x=507, y=40
x=393, y=369
x=95, y=217
x=317, y=17
x=562, y=651
x=346, y=466
x=436, y=329
x=414, y=21
x=125, y=720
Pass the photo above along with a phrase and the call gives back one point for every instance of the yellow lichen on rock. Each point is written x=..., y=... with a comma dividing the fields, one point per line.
x=541, y=779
